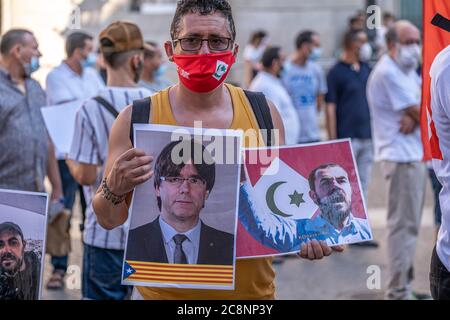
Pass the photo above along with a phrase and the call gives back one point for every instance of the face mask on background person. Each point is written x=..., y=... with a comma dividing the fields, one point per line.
x=203, y=72
x=316, y=53
x=408, y=56
x=90, y=61
x=31, y=66
x=365, y=52
x=281, y=72
x=161, y=70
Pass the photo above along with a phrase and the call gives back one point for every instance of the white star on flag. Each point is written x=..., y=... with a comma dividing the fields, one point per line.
x=277, y=191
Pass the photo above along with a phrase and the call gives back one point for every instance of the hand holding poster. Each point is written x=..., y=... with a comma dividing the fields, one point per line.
x=299, y=193
x=22, y=249
x=183, y=220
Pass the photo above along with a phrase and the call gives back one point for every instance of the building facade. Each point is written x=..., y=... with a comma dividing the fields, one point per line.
x=50, y=20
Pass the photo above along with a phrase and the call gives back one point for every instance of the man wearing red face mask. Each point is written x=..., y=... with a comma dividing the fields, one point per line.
x=203, y=48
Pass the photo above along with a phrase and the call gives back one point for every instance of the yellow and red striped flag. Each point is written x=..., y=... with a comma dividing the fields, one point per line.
x=178, y=274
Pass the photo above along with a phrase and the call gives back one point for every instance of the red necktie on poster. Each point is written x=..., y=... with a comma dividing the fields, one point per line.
x=435, y=39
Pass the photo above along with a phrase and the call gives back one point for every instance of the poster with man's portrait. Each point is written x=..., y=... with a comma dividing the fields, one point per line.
x=295, y=194
x=23, y=223
x=183, y=220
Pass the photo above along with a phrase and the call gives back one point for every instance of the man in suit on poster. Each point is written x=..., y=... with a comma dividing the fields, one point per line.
x=178, y=235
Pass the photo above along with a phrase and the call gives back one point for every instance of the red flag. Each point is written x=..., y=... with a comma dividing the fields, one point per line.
x=435, y=40
x=293, y=167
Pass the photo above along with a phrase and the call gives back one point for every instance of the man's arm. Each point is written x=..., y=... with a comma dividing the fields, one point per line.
x=410, y=120
x=248, y=73
x=277, y=124
x=83, y=173
x=322, y=90
x=125, y=168
x=414, y=113
x=330, y=100
x=330, y=113
x=403, y=100
x=320, y=102
x=53, y=173
x=270, y=230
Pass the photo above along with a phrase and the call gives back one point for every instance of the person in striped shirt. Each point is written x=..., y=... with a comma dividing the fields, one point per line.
x=121, y=45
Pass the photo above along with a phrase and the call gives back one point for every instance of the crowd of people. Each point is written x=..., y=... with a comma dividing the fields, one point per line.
x=371, y=94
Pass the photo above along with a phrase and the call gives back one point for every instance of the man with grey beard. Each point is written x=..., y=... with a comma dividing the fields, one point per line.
x=331, y=191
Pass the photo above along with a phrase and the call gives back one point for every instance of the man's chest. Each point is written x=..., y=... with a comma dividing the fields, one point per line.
x=350, y=81
x=222, y=118
x=303, y=81
x=15, y=111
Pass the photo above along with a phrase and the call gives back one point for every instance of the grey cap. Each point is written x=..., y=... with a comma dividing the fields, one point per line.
x=11, y=227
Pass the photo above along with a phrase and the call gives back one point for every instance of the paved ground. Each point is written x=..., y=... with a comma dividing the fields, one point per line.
x=341, y=276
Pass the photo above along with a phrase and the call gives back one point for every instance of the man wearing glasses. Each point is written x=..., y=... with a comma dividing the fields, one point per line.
x=178, y=235
x=201, y=48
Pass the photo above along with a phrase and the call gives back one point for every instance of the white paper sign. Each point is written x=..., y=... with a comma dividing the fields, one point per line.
x=60, y=122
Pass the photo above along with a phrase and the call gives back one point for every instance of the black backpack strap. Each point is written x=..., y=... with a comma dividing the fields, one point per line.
x=261, y=110
x=108, y=106
x=140, y=113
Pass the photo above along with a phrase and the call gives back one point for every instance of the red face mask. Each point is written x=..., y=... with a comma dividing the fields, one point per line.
x=203, y=72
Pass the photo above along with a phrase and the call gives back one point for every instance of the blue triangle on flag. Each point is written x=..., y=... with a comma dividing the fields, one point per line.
x=127, y=270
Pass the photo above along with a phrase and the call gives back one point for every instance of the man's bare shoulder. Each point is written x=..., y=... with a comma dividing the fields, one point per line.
x=125, y=114
x=120, y=131
x=277, y=121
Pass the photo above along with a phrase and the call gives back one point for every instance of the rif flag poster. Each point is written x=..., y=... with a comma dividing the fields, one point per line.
x=294, y=194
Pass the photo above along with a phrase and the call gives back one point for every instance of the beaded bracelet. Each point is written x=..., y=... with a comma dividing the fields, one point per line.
x=108, y=195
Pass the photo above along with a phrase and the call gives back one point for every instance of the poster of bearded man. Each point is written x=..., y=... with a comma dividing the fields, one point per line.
x=23, y=224
x=299, y=193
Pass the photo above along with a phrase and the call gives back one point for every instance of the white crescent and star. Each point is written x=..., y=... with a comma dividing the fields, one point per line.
x=296, y=199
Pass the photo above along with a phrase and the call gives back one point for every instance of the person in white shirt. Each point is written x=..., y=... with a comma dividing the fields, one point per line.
x=268, y=82
x=394, y=95
x=440, y=105
x=306, y=84
x=75, y=78
x=122, y=47
x=253, y=52
x=72, y=80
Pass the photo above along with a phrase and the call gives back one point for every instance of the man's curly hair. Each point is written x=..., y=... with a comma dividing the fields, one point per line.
x=202, y=7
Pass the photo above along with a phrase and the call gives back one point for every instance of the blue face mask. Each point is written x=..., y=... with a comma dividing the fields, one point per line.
x=90, y=61
x=32, y=66
x=316, y=53
x=161, y=70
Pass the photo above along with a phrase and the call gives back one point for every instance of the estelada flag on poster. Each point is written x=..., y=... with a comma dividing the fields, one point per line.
x=294, y=194
x=435, y=38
